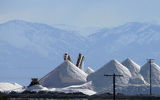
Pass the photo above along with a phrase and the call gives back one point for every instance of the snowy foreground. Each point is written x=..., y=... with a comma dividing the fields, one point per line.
x=70, y=79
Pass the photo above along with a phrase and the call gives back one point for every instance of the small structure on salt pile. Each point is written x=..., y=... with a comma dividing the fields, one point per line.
x=66, y=74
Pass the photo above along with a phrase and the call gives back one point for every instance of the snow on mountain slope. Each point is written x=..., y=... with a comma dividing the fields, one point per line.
x=37, y=37
x=101, y=82
x=7, y=87
x=66, y=74
x=89, y=70
x=134, y=68
x=84, y=31
x=145, y=72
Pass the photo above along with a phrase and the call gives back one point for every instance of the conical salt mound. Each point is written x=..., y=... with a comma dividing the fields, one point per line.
x=145, y=72
x=65, y=74
x=138, y=80
x=134, y=69
x=101, y=82
x=132, y=66
x=90, y=70
x=7, y=87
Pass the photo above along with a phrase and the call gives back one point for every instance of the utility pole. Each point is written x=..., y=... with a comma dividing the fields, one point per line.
x=114, y=83
x=150, y=74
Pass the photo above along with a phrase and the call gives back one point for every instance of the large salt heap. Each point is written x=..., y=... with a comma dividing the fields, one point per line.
x=132, y=66
x=66, y=74
x=145, y=72
x=89, y=70
x=36, y=88
x=102, y=83
x=134, y=69
x=8, y=87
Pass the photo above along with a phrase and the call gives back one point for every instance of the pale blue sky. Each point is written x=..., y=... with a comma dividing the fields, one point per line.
x=84, y=13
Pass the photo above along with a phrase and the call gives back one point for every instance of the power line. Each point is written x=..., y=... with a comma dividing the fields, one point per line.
x=150, y=61
x=114, y=81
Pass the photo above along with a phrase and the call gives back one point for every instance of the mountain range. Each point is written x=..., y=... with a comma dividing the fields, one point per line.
x=30, y=49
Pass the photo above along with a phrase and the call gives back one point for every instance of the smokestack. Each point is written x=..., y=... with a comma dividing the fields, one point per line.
x=65, y=56
x=69, y=58
x=81, y=63
x=79, y=60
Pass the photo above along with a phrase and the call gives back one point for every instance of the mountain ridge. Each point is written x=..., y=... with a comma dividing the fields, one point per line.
x=39, y=46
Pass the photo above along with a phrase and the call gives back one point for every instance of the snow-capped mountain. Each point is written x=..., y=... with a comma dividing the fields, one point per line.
x=66, y=74
x=100, y=82
x=84, y=31
x=145, y=72
x=40, y=38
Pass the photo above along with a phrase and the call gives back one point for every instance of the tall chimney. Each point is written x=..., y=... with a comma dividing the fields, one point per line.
x=79, y=60
x=65, y=56
x=69, y=58
x=81, y=63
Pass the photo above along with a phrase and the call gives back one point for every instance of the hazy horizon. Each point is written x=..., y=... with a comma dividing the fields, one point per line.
x=81, y=13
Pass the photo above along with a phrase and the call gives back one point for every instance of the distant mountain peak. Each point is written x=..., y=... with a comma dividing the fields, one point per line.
x=16, y=21
x=137, y=23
